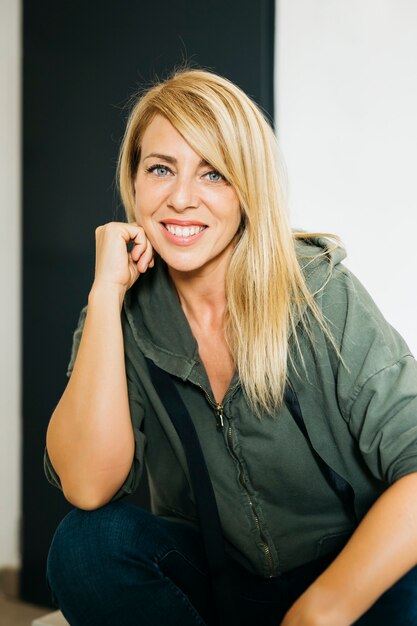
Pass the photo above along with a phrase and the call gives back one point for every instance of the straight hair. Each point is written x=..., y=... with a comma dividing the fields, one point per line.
x=266, y=291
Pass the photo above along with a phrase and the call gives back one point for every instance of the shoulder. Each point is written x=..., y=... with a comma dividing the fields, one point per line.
x=357, y=321
x=344, y=301
x=367, y=342
x=318, y=256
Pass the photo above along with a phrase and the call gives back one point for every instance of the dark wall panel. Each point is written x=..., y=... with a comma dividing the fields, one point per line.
x=82, y=60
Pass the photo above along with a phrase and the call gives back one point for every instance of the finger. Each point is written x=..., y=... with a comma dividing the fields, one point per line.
x=135, y=232
x=140, y=249
x=148, y=253
x=137, y=251
x=134, y=272
x=146, y=257
x=140, y=236
x=140, y=243
x=122, y=229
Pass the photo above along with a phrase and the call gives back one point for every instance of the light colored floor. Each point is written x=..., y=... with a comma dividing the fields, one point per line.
x=13, y=613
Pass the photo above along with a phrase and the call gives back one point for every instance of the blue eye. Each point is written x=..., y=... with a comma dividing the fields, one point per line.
x=214, y=176
x=159, y=170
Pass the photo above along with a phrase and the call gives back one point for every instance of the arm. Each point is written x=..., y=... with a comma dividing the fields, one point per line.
x=381, y=550
x=90, y=438
x=377, y=396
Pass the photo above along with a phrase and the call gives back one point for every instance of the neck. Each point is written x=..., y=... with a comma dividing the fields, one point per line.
x=202, y=295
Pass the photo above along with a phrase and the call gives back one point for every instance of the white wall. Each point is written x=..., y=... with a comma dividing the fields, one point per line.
x=346, y=110
x=10, y=245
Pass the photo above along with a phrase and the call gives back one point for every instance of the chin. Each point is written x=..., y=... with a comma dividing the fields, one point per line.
x=181, y=262
x=182, y=266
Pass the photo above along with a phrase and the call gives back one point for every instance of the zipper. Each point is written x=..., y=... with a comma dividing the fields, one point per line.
x=219, y=420
x=265, y=546
x=218, y=407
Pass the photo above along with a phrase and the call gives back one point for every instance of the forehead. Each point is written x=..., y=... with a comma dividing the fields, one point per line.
x=160, y=131
x=161, y=139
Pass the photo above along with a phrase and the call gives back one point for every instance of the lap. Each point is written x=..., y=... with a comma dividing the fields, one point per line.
x=123, y=551
x=91, y=545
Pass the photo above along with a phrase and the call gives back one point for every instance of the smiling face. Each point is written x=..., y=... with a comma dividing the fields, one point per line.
x=189, y=212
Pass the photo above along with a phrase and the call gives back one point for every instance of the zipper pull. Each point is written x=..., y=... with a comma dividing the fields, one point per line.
x=219, y=420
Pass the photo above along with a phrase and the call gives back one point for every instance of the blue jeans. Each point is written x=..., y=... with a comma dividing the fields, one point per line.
x=122, y=566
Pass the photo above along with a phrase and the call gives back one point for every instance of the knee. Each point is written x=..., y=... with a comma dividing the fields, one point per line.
x=87, y=543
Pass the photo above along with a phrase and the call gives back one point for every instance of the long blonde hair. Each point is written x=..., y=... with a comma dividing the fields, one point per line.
x=267, y=295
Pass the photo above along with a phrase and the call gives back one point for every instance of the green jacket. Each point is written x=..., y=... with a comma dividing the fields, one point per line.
x=276, y=509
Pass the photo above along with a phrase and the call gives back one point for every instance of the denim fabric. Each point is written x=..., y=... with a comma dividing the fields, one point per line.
x=123, y=566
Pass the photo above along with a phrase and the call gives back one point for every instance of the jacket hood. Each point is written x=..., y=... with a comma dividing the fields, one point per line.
x=318, y=255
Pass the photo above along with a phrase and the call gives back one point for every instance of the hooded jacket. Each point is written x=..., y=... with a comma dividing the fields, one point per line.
x=276, y=509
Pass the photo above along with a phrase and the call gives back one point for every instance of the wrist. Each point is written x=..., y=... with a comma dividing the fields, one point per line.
x=329, y=606
x=106, y=293
x=318, y=607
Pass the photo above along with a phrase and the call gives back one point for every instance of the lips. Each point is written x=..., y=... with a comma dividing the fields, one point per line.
x=183, y=222
x=183, y=232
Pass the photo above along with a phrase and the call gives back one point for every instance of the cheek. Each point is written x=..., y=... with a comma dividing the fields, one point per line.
x=238, y=214
x=140, y=204
x=138, y=213
x=145, y=201
x=143, y=213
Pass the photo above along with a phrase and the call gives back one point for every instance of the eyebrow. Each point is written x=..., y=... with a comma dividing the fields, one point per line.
x=170, y=159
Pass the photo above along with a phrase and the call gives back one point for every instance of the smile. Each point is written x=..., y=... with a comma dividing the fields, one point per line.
x=183, y=235
x=183, y=231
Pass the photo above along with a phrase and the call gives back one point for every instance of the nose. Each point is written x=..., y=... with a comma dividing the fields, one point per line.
x=183, y=195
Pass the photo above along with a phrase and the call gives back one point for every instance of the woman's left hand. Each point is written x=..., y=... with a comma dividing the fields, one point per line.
x=374, y=558
x=313, y=609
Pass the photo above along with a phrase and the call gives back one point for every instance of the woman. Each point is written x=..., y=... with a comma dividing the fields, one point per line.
x=218, y=292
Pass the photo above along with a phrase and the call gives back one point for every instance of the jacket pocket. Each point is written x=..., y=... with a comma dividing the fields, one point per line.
x=185, y=516
x=333, y=542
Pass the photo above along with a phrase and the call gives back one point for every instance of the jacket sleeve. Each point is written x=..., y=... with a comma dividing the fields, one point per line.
x=377, y=385
x=137, y=412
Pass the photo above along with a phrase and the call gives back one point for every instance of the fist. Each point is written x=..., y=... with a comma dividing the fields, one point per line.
x=115, y=266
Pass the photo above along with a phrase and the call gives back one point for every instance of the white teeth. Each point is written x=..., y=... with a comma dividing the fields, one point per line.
x=186, y=231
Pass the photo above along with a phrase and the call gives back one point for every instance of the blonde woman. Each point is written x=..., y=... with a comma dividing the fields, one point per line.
x=303, y=398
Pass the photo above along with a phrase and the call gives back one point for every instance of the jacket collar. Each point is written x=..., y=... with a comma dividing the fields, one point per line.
x=161, y=329
x=158, y=323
